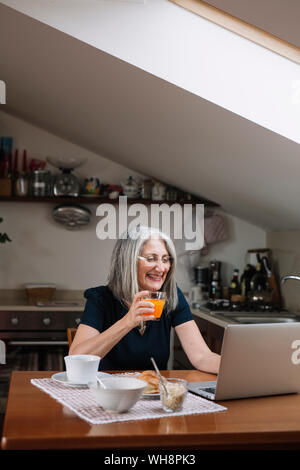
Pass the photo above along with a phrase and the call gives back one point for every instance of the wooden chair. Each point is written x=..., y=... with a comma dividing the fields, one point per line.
x=71, y=332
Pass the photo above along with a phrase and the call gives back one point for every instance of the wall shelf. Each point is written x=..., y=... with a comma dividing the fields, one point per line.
x=100, y=200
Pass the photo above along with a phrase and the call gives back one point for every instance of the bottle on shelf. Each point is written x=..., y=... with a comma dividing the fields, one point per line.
x=21, y=186
x=246, y=277
x=235, y=283
x=6, y=165
x=259, y=280
x=215, y=280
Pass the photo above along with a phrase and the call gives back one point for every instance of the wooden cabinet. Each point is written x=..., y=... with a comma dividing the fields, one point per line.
x=213, y=336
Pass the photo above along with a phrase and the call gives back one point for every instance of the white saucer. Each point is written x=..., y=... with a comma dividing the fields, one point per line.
x=62, y=378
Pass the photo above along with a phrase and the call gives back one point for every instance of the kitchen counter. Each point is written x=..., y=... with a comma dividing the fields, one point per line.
x=23, y=306
x=216, y=317
x=210, y=317
x=15, y=300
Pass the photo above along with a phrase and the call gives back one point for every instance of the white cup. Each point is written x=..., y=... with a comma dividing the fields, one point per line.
x=81, y=368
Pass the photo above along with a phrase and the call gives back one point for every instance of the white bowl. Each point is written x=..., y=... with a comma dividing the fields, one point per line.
x=121, y=393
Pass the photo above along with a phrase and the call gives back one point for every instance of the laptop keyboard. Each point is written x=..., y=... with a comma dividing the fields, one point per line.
x=209, y=389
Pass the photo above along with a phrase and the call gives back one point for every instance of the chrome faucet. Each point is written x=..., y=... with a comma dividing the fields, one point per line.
x=285, y=278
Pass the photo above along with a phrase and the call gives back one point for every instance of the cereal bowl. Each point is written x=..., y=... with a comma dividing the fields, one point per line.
x=120, y=394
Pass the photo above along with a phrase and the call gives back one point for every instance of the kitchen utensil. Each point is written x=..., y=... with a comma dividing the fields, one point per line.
x=114, y=191
x=130, y=188
x=201, y=275
x=272, y=281
x=61, y=377
x=66, y=184
x=171, y=194
x=81, y=368
x=196, y=295
x=146, y=189
x=64, y=162
x=39, y=292
x=24, y=167
x=103, y=385
x=158, y=299
x=121, y=393
x=15, y=168
x=40, y=183
x=159, y=375
x=177, y=390
x=72, y=216
x=22, y=186
x=158, y=191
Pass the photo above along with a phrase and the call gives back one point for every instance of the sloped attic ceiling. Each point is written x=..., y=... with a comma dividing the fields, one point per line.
x=278, y=17
x=134, y=118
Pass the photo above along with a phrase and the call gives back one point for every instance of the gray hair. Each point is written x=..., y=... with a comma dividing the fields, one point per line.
x=123, y=276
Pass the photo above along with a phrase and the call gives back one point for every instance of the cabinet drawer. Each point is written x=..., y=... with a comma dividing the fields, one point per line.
x=38, y=320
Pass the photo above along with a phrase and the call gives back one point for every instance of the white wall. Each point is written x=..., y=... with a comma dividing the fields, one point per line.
x=242, y=236
x=186, y=50
x=42, y=251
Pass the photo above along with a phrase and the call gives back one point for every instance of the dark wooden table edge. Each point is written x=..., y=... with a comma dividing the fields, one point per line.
x=243, y=441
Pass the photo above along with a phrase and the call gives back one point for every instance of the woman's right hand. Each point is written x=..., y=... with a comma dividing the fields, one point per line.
x=138, y=308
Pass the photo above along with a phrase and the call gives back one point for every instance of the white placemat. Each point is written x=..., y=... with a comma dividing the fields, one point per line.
x=81, y=401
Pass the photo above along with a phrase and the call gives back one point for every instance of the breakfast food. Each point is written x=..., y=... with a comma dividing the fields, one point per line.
x=176, y=394
x=152, y=380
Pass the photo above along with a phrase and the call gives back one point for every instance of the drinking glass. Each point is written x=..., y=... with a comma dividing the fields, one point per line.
x=158, y=299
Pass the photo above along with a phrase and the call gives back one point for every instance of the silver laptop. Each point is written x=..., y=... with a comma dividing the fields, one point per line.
x=256, y=360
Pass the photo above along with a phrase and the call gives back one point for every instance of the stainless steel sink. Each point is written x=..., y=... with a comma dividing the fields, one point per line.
x=248, y=317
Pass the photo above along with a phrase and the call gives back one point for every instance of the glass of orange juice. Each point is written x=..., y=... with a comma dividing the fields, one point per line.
x=158, y=299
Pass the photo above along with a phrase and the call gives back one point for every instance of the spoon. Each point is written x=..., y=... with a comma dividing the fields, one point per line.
x=101, y=383
x=159, y=375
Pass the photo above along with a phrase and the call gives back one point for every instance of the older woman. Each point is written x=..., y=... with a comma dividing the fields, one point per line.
x=114, y=325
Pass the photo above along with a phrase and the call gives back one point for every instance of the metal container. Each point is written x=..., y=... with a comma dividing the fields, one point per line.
x=201, y=275
x=22, y=186
x=71, y=216
x=146, y=191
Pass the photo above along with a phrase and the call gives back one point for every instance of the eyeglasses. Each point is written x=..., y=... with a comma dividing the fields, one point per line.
x=154, y=259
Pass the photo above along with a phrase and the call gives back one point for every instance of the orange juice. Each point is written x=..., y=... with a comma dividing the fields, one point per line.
x=158, y=307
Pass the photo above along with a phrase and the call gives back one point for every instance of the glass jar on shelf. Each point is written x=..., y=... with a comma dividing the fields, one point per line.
x=40, y=183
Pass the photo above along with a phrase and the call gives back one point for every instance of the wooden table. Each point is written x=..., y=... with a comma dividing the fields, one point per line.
x=34, y=420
